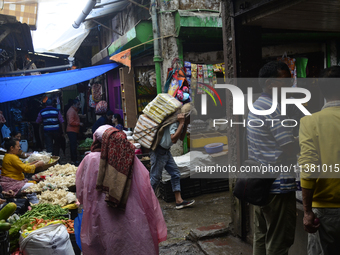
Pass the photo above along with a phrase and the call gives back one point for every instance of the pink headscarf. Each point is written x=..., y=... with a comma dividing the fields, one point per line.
x=97, y=138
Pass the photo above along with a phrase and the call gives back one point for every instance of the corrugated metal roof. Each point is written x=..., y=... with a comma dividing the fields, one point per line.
x=107, y=7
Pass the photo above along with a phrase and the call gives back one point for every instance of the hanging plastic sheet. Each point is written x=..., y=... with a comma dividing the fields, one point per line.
x=13, y=88
x=301, y=67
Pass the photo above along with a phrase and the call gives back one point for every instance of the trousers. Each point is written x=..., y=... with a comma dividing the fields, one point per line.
x=162, y=159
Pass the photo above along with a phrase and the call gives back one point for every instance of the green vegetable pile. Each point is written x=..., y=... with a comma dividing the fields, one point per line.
x=87, y=143
x=41, y=211
x=45, y=211
x=14, y=232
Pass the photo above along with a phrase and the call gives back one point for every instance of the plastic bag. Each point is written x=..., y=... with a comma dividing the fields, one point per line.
x=5, y=131
x=173, y=87
x=77, y=228
x=50, y=240
x=91, y=102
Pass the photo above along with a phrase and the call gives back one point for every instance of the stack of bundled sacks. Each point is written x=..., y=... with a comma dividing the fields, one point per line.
x=161, y=107
x=145, y=131
x=154, y=114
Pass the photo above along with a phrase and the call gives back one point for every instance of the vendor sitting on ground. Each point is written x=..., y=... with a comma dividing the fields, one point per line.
x=12, y=177
x=17, y=135
x=8, y=197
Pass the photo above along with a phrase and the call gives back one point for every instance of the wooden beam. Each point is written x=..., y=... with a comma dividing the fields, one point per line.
x=268, y=9
x=138, y=4
x=127, y=17
x=107, y=27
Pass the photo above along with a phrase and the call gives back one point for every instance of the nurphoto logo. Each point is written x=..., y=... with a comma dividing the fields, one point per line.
x=238, y=104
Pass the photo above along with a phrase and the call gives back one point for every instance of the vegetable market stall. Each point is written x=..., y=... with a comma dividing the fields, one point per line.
x=55, y=199
x=85, y=146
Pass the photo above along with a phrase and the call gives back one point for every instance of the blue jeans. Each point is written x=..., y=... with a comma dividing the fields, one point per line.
x=52, y=142
x=160, y=159
x=73, y=145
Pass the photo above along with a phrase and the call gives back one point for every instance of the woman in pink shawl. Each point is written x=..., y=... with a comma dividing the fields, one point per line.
x=107, y=230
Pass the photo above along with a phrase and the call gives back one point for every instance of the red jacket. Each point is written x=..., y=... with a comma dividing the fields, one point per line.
x=73, y=121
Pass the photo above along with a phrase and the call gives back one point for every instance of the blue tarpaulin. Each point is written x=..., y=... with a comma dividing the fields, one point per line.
x=13, y=88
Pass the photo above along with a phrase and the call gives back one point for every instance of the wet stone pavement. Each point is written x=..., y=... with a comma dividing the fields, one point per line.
x=202, y=228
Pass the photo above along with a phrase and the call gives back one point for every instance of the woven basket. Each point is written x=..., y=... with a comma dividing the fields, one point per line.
x=47, y=166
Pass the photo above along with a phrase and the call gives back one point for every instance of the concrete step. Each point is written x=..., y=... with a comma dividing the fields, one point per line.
x=217, y=239
x=215, y=230
x=228, y=245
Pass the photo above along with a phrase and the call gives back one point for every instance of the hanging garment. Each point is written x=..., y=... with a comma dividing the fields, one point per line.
x=2, y=118
x=97, y=92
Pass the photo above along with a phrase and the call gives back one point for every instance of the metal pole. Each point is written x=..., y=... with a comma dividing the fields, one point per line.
x=157, y=58
x=44, y=69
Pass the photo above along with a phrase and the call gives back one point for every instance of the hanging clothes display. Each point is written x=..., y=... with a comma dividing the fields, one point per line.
x=17, y=114
x=292, y=66
x=5, y=131
x=2, y=118
x=177, y=84
x=97, y=92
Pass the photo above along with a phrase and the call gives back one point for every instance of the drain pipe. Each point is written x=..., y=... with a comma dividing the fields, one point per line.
x=44, y=69
x=89, y=6
x=157, y=58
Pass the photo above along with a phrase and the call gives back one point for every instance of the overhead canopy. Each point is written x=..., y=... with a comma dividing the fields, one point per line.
x=139, y=34
x=193, y=22
x=13, y=88
x=55, y=33
x=300, y=15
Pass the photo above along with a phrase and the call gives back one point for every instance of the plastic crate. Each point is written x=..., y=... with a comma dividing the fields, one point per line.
x=214, y=185
x=4, y=243
x=146, y=163
x=189, y=188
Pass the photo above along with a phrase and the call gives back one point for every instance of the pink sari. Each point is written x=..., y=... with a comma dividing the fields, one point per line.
x=106, y=230
x=11, y=184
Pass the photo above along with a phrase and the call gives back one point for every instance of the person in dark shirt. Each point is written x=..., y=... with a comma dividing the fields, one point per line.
x=105, y=119
x=118, y=122
x=52, y=120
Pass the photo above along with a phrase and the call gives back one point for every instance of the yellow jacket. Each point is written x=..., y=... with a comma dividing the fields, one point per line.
x=14, y=168
x=320, y=150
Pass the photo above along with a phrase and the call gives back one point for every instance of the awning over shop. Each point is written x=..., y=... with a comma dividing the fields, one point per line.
x=192, y=23
x=139, y=34
x=299, y=15
x=55, y=33
x=13, y=88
